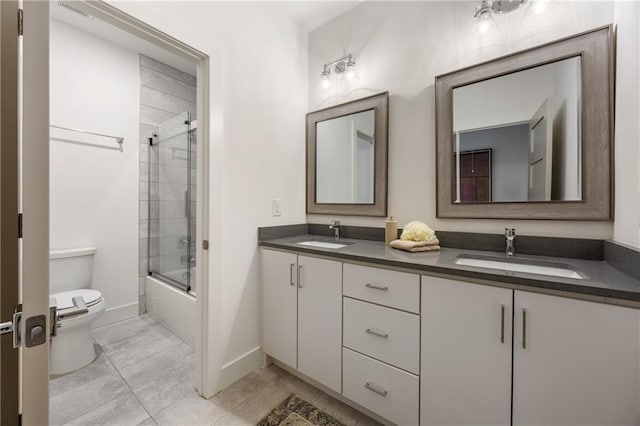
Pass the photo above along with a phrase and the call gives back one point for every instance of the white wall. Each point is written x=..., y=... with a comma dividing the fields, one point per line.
x=344, y=171
x=334, y=160
x=94, y=187
x=259, y=99
x=627, y=156
x=566, y=130
x=519, y=95
x=402, y=46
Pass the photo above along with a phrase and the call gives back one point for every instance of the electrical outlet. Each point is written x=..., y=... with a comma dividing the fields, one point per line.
x=276, y=207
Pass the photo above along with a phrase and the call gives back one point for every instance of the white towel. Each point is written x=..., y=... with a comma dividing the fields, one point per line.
x=416, y=246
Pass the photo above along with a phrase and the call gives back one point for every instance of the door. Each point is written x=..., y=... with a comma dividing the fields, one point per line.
x=280, y=306
x=24, y=165
x=320, y=320
x=475, y=176
x=170, y=202
x=540, y=154
x=9, y=208
x=575, y=362
x=466, y=353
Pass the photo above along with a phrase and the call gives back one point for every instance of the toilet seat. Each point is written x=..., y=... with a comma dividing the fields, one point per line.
x=64, y=300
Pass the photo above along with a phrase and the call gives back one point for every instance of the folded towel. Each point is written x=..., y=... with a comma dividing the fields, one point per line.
x=416, y=246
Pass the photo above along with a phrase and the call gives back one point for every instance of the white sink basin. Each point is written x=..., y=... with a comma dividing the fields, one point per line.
x=322, y=244
x=555, y=271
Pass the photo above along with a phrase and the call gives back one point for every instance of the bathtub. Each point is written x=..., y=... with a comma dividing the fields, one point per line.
x=172, y=307
x=179, y=276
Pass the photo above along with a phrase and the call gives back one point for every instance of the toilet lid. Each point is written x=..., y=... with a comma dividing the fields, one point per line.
x=64, y=300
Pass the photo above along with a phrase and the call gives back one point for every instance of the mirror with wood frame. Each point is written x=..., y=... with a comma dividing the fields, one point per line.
x=347, y=158
x=529, y=135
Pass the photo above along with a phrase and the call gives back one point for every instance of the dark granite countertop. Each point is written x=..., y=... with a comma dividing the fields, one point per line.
x=601, y=280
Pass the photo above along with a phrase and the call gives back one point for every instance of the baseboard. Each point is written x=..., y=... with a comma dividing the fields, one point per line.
x=240, y=367
x=116, y=314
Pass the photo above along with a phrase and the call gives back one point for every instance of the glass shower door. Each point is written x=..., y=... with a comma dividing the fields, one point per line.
x=170, y=202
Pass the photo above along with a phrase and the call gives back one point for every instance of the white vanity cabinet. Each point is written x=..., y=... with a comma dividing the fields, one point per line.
x=466, y=353
x=439, y=351
x=320, y=320
x=574, y=362
x=280, y=306
x=302, y=314
x=381, y=339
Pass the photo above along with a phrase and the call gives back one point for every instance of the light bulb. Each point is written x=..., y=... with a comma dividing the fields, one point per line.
x=351, y=72
x=483, y=27
x=326, y=83
x=484, y=20
x=539, y=6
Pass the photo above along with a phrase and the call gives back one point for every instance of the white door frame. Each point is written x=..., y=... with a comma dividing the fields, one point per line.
x=205, y=374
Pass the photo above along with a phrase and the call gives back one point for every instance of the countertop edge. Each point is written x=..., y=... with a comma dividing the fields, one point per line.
x=611, y=295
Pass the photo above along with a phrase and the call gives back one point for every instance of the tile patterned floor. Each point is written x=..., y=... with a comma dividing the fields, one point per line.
x=144, y=376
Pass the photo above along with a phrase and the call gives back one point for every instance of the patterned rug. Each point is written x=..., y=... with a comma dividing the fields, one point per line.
x=294, y=411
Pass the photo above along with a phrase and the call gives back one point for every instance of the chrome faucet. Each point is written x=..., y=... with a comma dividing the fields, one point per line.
x=510, y=236
x=336, y=229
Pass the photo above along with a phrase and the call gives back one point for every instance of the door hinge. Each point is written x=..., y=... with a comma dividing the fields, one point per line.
x=19, y=225
x=20, y=22
x=205, y=244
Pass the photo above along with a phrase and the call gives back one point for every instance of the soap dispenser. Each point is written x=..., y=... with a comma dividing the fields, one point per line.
x=390, y=230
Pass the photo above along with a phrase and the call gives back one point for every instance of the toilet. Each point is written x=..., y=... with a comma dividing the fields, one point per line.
x=70, y=273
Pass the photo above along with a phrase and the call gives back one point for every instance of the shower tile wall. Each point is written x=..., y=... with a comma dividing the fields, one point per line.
x=164, y=92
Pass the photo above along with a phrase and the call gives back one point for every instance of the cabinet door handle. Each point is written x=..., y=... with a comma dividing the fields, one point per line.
x=377, y=333
x=299, y=276
x=376, y=287
x=524, y=328
x=291, y=274
x=502, y=323
x=374, y=388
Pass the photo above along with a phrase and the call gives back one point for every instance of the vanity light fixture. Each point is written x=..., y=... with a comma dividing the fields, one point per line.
x=486, y=9
x=342, y=68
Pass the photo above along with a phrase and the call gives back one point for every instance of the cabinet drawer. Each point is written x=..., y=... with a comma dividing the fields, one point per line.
x=385, y=390
x=398, y=290
x=386, y=334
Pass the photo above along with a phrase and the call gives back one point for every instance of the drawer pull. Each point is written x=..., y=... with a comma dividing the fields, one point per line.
x=524, y=328
x=373, y=388
x=377, y=333
x=293, y=266
x=502, y=324
x=377, y=287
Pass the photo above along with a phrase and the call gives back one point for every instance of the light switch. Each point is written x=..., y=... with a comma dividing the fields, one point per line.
x=276, y=207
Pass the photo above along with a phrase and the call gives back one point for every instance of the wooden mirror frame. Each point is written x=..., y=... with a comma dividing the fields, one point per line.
x=596, y=48
x=380, y=105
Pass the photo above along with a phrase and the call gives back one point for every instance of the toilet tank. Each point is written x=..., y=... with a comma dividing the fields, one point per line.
x=70, y=269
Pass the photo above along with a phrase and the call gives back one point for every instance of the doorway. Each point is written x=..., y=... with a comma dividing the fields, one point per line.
x=35, y=202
